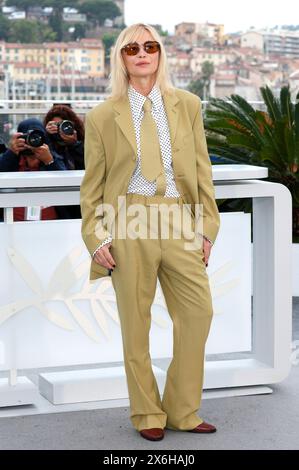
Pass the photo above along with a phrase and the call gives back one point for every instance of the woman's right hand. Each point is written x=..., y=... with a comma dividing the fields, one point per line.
x=103, y=257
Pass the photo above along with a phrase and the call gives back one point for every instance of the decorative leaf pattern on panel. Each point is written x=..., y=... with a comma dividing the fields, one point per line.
x=60, y=288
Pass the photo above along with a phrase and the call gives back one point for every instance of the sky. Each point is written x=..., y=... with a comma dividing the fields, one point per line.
x=236, y=15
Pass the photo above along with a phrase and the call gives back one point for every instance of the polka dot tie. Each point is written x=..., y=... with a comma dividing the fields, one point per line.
x=151, y=166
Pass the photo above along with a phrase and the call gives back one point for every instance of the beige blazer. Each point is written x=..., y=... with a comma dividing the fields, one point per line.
x=110, y=159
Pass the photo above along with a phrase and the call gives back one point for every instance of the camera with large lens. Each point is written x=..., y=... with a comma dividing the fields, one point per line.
x=35, y=138
x=67, y=127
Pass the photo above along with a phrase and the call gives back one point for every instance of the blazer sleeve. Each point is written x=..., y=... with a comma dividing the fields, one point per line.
x=209, y=210
x=92, y=188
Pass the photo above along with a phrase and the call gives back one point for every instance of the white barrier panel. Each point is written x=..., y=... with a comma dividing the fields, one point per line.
x=51, y=315
x=48, y=304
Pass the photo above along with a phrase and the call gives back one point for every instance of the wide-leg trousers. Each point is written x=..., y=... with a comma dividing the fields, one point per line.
x=185, y=286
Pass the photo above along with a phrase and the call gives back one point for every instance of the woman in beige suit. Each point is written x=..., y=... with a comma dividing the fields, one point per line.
x=145, y=148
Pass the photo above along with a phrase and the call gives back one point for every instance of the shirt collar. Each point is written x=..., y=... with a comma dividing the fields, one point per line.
x=137, y=99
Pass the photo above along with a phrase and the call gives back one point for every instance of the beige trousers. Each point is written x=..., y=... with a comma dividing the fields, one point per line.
x=185, y=285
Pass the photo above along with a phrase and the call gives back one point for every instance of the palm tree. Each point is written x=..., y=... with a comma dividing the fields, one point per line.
x=201, y=86
x=242, y=134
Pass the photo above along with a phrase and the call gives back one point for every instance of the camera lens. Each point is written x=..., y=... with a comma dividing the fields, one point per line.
x=67, y=127
x=35, y=138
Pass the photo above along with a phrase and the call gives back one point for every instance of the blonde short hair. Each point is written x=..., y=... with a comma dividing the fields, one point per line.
x=119, y=78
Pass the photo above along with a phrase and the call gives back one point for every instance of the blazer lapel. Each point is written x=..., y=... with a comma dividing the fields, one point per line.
x=125, y=121
x=170, y=101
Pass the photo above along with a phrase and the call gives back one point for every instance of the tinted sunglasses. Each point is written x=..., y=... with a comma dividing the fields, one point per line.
x=149, y=46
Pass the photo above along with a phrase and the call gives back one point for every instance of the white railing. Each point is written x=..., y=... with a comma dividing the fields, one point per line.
x=27, y=108
x=10, y=105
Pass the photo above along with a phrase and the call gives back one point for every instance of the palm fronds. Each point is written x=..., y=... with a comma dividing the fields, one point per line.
x=237, y=131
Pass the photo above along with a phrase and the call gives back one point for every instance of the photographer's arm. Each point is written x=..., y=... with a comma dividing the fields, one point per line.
x=77, y=150
x=56, y=165
x=50, y=160
x=9, y=161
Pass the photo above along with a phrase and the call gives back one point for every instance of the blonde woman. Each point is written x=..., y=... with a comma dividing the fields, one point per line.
x=146, y=146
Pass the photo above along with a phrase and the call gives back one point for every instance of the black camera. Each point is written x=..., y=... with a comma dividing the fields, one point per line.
x=34, y=138
x=67, y=127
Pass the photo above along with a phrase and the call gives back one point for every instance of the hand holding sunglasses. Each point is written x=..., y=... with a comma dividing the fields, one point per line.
x=150, y=47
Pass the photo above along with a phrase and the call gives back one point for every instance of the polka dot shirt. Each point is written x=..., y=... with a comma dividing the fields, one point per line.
x=138, y=183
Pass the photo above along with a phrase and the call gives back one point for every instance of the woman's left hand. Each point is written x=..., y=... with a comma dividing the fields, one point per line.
x=207, y=246
x=69, y=139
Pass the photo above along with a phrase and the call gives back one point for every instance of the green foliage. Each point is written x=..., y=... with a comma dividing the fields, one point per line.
x=46, y=33
x=4, y=28
x=79, y=32
x=97, y=11
x=56, y=19
x=196, y=87
x=201, y=85
x=24, y=30
x=56, y=23
x=242, y=134
x=21, y=4
x=207, y=70
x=29, y=31
x=57, y=5
x=108, y=40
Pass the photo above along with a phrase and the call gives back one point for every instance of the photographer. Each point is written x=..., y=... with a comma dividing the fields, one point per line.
x=20, y=156
x=66, y=133
x=30, y=150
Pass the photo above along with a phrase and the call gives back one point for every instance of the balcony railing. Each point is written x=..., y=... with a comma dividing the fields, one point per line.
x=14, y=111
